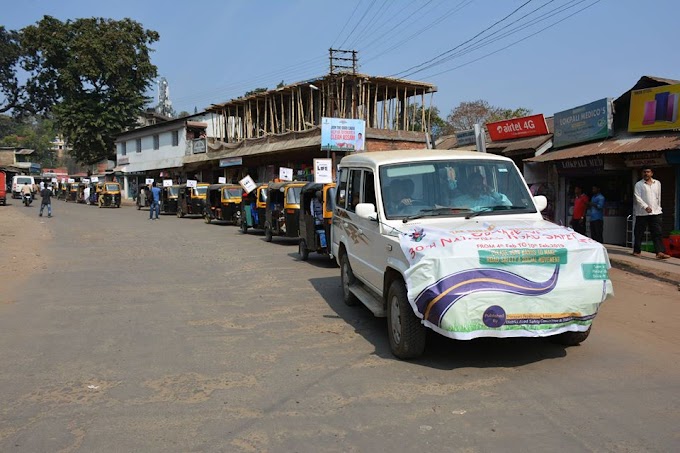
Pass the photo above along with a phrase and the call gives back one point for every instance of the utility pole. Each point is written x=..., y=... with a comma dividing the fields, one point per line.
x=339, y=61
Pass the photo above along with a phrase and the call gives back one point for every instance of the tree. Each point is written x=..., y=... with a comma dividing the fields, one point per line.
x=467, y=114
x=437, y=124
x=10, y=53
x=34, y=133
x=91, y=74
x=183, y=113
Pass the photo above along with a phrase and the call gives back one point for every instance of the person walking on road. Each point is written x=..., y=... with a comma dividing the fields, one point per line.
x=597, y=215
x=578, y=218
x=648, y=213
x=46, y=195
x=155, y=201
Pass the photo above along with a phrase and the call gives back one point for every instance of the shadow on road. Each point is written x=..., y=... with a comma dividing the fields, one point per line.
x=441, y=352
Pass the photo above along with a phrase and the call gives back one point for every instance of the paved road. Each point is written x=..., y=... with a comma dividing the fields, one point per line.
x=124, y=334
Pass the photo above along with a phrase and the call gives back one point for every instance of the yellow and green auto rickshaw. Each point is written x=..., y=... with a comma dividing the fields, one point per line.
x=283, y=210
x=62, y=191
x=109, y=195
x=169, y=195
x=254, y=208
x=316, y=217
x=72, y=191
x=191, y=200
x=223, y=203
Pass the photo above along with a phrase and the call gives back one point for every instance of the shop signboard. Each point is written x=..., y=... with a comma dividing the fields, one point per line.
x=650, y=159
x=654, y=109
x=123, y=160
x=527, y=126
x=582, y=165
x=231, y=162
x=198, y=146
x=584, y=123
x=465, y=138
x=340, y=134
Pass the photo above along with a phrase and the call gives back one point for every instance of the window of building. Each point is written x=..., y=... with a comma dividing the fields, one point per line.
x=175, y=138
x=123, y=149
x=139, y=145
x=156, y=142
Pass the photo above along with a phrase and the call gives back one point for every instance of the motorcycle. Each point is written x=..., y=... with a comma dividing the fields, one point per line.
x=27, y=198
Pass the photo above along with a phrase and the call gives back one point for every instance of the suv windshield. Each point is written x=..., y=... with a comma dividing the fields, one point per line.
x=452, y=187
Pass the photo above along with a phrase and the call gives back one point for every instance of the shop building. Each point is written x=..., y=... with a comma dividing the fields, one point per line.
x=606, y=143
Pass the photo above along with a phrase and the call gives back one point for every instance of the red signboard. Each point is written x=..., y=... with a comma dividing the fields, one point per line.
x=527, y=126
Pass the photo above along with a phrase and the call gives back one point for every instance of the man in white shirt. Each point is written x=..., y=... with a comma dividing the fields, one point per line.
x=647, y=210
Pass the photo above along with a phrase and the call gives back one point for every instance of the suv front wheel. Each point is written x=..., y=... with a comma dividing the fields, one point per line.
x=407, y=334
x=348, y=279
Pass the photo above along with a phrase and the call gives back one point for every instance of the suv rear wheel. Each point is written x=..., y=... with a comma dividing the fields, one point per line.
x=407, y=334
x=570, y=338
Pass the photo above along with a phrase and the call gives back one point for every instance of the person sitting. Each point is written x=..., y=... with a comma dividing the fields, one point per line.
x=399, y=196
x=478, y=196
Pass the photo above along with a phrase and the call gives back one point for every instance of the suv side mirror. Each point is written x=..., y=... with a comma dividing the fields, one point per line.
x=366, y=211
x=541, y=202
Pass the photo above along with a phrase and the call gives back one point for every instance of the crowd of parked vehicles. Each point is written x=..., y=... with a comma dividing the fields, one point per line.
x=450, y=241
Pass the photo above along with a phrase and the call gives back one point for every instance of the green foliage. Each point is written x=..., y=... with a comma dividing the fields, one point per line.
x=467, y=114
x=183, y=113
x=91, y=74
x=10, y=53
x=255, y=91
x=32, y=133
x=281, y=84
x=437, y=124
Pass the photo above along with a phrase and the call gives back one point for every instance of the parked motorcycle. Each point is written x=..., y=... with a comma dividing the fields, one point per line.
x=27, y=198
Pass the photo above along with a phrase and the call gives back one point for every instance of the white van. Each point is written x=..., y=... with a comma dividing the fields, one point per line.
x=18, y=182
x=453, y=241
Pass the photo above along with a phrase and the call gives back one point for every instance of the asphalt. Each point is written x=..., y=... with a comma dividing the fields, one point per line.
x=646, y=264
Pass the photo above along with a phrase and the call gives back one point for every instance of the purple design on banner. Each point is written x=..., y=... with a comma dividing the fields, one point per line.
x=435, y=300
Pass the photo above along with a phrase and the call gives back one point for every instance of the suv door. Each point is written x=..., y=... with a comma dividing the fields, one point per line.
x=363, y=240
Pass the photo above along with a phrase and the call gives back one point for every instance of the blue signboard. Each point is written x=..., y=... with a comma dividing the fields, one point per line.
x=339, y=134
x=584, y=123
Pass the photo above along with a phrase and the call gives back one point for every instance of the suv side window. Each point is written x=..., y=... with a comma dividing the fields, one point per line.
x=341, y=195
x=354, y=189
x=369, y=188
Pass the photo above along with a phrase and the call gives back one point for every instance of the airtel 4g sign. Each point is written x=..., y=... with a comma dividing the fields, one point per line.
x=527, y=126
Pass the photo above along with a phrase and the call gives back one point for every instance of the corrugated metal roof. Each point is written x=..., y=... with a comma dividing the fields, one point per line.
x=624, y=145
x=24, y=151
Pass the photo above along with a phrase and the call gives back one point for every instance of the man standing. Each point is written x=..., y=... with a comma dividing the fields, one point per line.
x=46, y=195
x=597, y=215
x=578, y=218
x=647, y=210
x=155, y=201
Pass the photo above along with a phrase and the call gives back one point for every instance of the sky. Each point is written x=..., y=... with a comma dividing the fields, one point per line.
x=215, y=50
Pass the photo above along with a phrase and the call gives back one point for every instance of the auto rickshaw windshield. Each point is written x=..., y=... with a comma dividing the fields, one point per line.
x=233, y=193
x=172, y=191
x=112, y=187
x=293, y=195
x=201, y=191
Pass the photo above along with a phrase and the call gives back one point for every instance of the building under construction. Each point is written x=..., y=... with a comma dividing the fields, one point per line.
x=258, y=133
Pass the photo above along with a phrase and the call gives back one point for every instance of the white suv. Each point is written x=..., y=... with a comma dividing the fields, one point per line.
x=453, y=241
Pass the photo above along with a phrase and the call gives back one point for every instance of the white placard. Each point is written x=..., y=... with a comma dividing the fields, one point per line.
x=54, y=179
x=94, y=179
x=323, y=173
x=285, y=174
x=85, y=180
x=191, y=183
x=63, y=180
x=248, y=184
x=71, y=180
x=221, y=180
x=167, y=182
x=149, y=181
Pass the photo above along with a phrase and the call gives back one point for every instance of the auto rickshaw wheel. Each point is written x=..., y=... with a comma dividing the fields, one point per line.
x=406, y=333
x=267, y=234
x=347, y=278
x=302, y=250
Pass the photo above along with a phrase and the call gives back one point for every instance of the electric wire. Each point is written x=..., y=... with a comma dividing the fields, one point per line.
x=346, y=23
x=464, y=42
x=367, y=26
x=357, y=24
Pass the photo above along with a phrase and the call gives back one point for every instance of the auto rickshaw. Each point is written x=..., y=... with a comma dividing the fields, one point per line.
x=254, y=208
x=80, y=194
x=62, y=191
x=95, y=188
x=72, y=192
x=109, y=195
x=283, y=210
x=191, y=200
x=169, y=199
x=315, y=223
x=223, y=203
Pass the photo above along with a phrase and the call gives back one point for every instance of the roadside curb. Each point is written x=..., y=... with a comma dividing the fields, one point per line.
x=647, y=265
